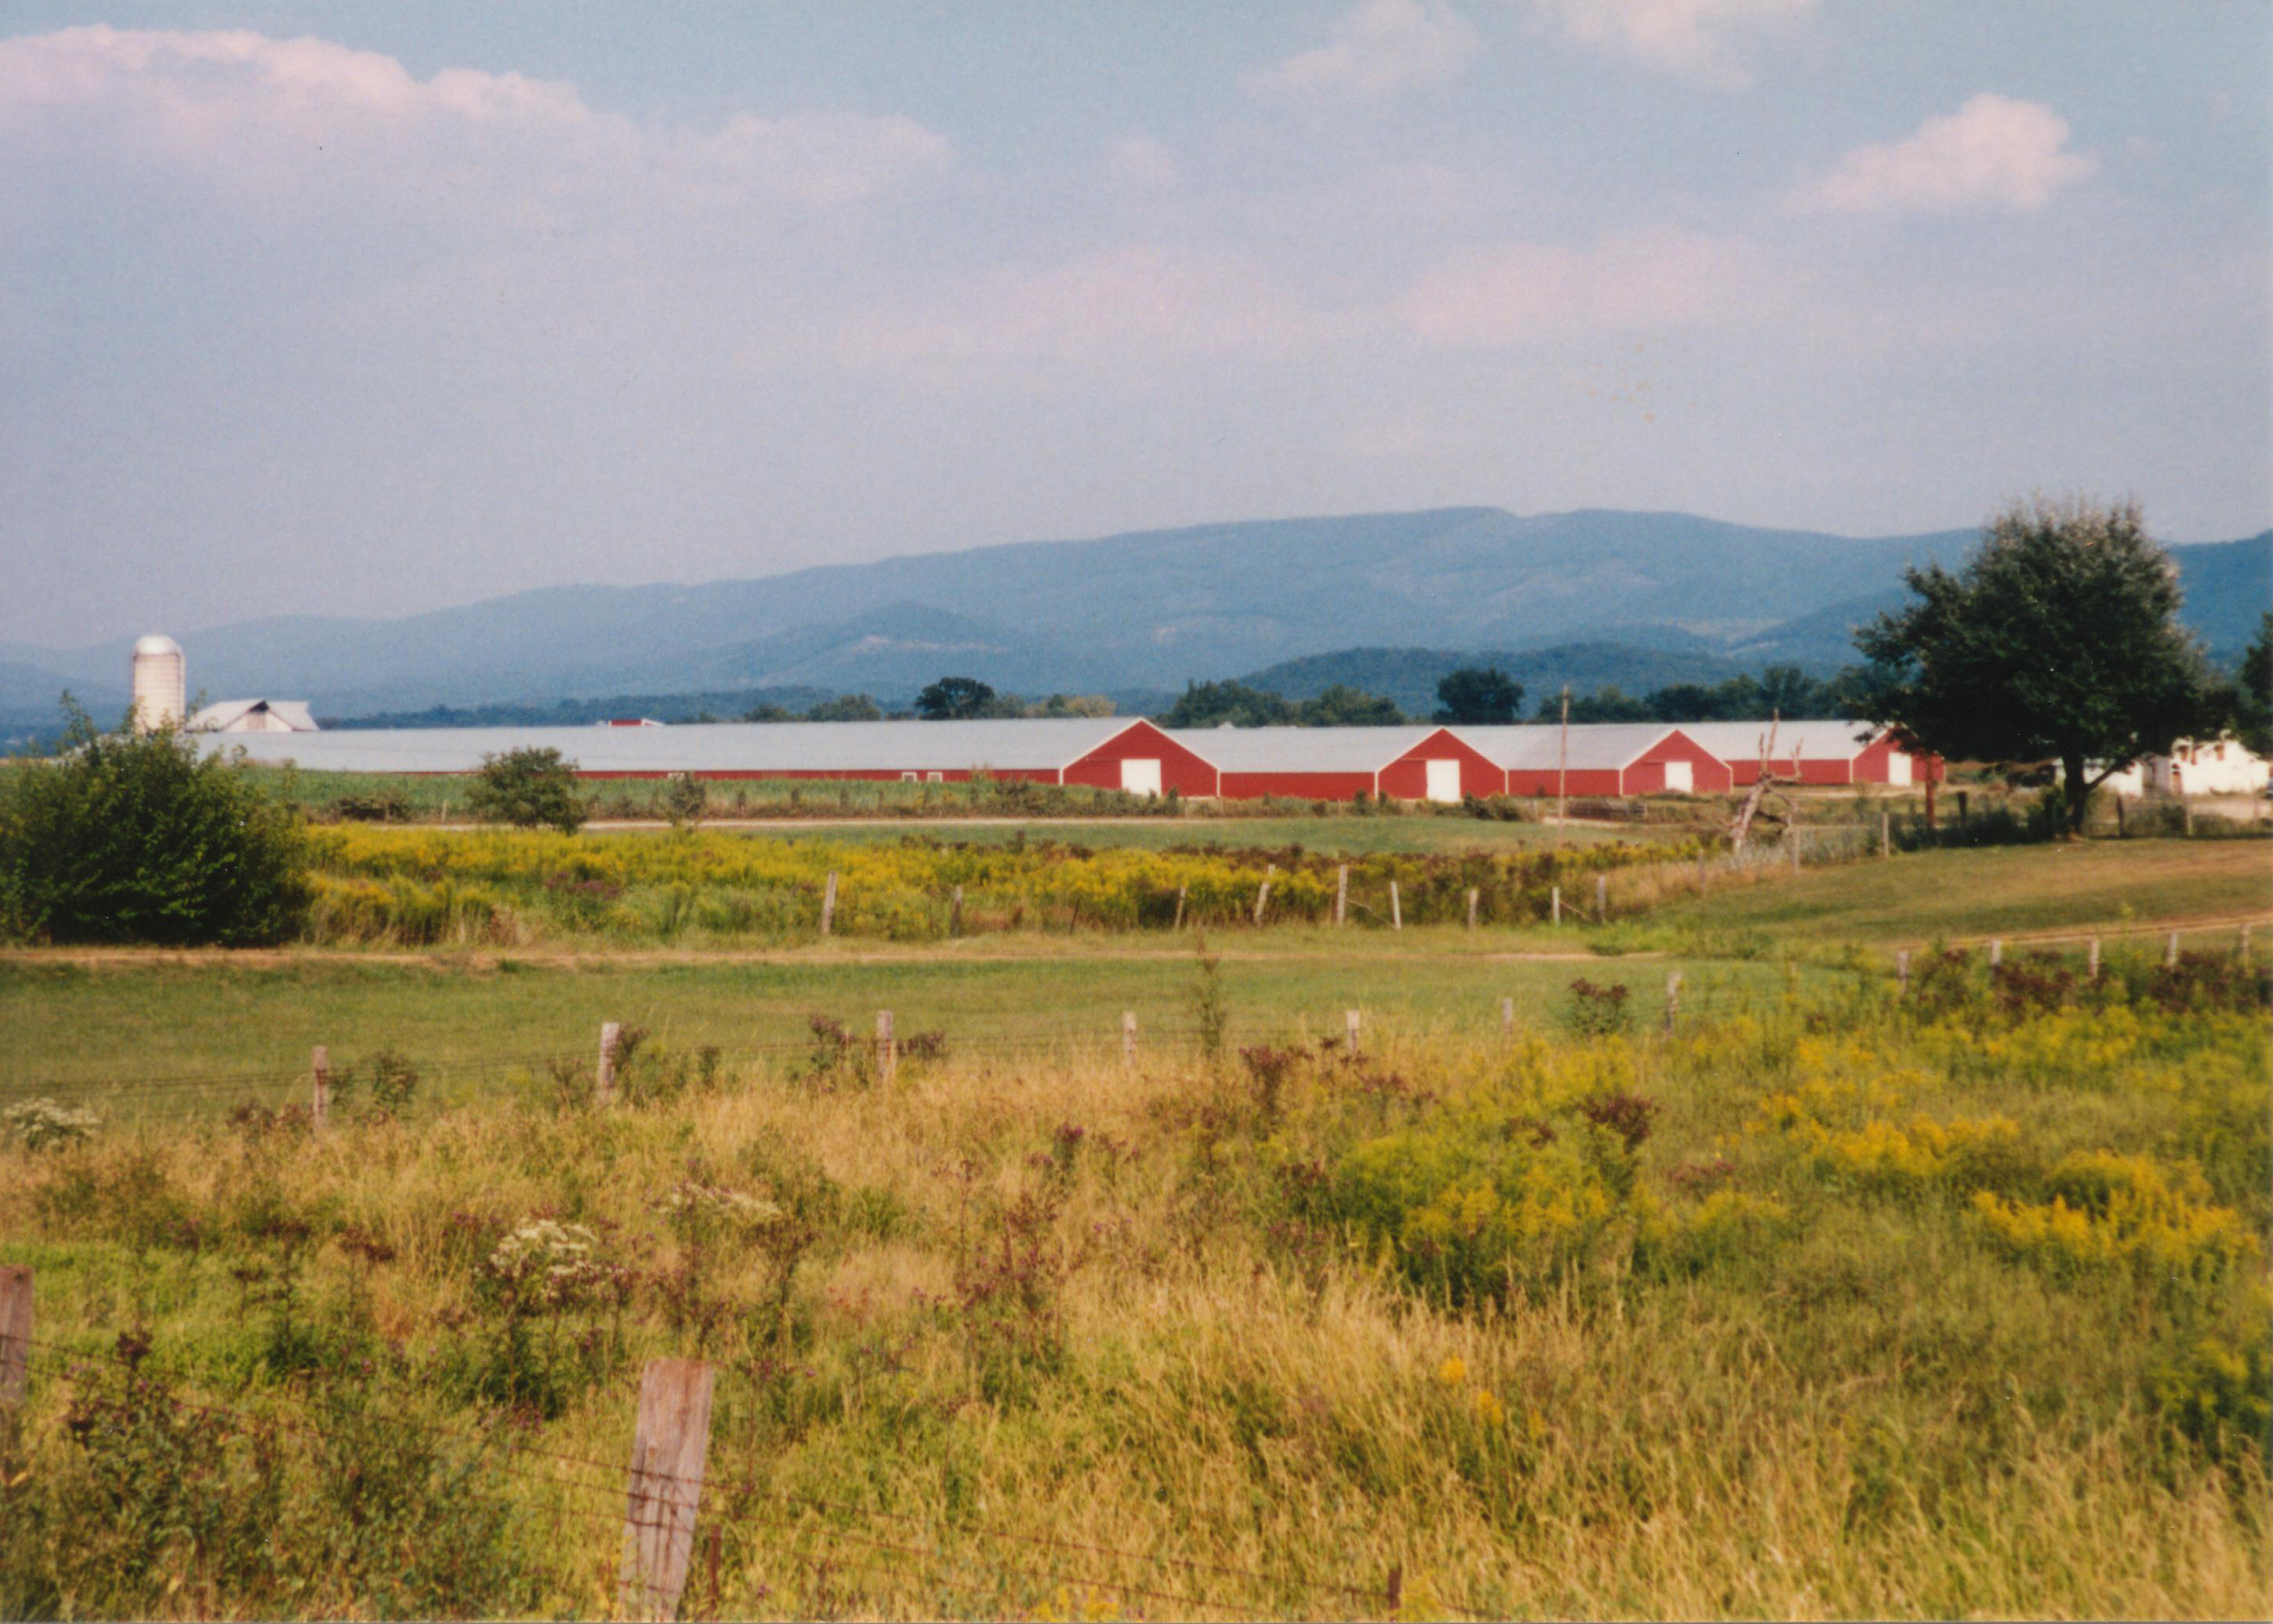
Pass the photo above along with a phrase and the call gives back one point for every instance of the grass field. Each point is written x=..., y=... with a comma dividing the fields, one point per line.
x=1838, y=1299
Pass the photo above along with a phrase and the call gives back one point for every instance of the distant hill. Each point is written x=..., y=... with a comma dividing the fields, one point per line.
x=1410, y=676
x=1123, y=614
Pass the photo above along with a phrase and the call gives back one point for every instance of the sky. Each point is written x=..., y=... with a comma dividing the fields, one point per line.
x=322, y=308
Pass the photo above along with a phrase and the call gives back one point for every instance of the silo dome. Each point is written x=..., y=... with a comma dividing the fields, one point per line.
x=160, y=684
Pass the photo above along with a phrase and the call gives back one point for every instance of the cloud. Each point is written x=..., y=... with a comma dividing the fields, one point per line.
x=1993, y=153
x=1138, y=305
x=1687, y=37
x=1382, y=48
x=255, y=113
x=1140, y=162
x=1513, y=293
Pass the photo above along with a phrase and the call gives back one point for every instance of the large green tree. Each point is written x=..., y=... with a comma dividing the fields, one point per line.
x=1478, y=696
x=2252, y=702
x=955, y=698
x=2059, y=638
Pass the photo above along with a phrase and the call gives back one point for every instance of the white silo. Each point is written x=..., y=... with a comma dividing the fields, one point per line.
x=160, y=684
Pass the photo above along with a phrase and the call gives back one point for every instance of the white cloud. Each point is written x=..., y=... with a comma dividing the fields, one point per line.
x=1141, y=161
x=1382, y=48
x=1993, y=152
x=1513, y=293
x=1688, y=37
x=260, y=113
x=1124, y=305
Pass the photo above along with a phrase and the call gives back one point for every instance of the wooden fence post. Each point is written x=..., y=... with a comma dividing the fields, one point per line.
x=15, y=1335
x=1341, y=894
x=2241, y=947
x=1396, y=908
x=1886, y=835
x=2170, y=952
x=1263, y=892
x=1601, y=898
x=954, y=913
x=668, y=1453
x=887, y=1051
x=319, y=1103
x=603, y=1081
x=1507, y=1017
x=828, y=904
x=1179, y=907
x=1129, y=1039
x=1672, y=1000
x=1902, y=971
x=2091, y=960
x=1349, y=1021
x=1791, y=839
x=1996, y=951
x=2187, y=806
x=1554, y=904
x=1474, y=893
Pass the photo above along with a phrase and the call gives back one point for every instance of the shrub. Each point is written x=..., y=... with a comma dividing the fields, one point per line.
x=46, y=1125
x=138, y=838
x=1597, y=1012
x=529, y=788
x=684, y=800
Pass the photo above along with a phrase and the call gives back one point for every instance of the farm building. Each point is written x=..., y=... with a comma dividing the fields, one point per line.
x=1106, y=752
x=1334, y=764
x=1624, y=758
x=2222, y=766
x=1815, y=751
x=253, y=716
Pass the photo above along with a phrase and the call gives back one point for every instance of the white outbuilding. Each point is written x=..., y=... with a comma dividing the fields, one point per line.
x=2221, y=766
x=253, y=716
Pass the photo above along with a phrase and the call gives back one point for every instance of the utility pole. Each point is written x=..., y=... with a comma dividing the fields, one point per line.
x=1563, y=770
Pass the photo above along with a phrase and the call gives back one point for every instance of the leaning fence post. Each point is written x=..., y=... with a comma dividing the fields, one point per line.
x=1996, y=951
x=1554, y=904
x=1179, y=907
x=668, y=1452
x=319, y=1103
x=1474, y=893
x=1507, y=1017
x=603, y=1081
x=1341, y=894
x=1902, y=971
x=2241, y=947
x=15, y=1334
x=1129, y=1038
x=2091, y=960
x=1349, y=1021
x=1396, y=908
x=828, y=904
x=1672, y=1000
x=1602, y=898
x=887, y=1051
x=1263, y=892
x=2170, y=952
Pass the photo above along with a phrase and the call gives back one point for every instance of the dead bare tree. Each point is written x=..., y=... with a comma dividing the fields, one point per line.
x=1768, y=784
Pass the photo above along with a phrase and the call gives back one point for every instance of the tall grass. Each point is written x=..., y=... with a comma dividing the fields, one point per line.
x=1836, y=1305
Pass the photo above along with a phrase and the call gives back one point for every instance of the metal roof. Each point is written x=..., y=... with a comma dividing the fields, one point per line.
x=1043, y=745
x=1595, y=746
x=216, y=718
x=1816, y=738
x=1300, y=750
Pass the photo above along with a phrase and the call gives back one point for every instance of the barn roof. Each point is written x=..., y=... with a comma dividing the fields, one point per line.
x=1043, y=745
x=1300, y=750
x=1816, y=739
x=1595, y=746
x=292, y=713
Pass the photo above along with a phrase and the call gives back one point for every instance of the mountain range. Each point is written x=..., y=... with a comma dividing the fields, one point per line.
x=1587, y=597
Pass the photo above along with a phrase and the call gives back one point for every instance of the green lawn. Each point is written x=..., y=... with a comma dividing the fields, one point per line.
x=1918, y=896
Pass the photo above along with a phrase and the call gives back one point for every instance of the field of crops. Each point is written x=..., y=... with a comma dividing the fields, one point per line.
x=1838, y=1299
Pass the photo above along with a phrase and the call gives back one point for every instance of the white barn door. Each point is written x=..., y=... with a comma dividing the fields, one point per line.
x=1141, y=776
x=1898, y=768
x=1680, y=777
x=1444, y=780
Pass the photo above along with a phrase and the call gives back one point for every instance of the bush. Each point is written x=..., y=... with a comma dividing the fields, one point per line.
x=137, y=838
x=529, y=788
